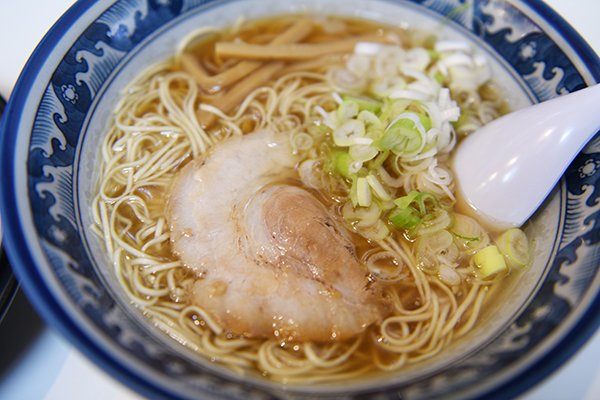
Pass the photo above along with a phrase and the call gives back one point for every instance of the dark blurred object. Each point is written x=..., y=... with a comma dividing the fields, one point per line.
x=8, y=283
x=19, y=332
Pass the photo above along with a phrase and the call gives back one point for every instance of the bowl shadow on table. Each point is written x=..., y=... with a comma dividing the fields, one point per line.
x=19, y=329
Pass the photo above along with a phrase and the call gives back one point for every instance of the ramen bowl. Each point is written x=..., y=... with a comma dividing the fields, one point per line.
x=61, y=109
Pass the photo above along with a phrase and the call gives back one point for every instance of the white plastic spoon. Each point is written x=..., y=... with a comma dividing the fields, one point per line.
x=507, y=168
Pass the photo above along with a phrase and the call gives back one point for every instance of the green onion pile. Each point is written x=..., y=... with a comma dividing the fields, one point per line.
x=387, y=141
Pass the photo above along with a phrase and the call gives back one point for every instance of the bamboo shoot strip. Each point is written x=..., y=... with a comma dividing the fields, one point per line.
x=312, y=64
x=291, y=52
x=238, y=92
x=295, y=33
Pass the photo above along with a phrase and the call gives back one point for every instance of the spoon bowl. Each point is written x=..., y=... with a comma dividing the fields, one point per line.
x=508, y=167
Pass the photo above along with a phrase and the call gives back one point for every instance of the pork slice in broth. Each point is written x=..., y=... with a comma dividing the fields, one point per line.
x=271, y=259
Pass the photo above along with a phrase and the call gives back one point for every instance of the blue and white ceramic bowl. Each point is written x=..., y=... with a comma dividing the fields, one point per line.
x=61, y=107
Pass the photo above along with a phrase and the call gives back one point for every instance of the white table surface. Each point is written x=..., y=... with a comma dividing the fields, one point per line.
x=37, y=363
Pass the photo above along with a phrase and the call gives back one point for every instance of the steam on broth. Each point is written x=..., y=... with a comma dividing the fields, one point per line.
x=278, y=198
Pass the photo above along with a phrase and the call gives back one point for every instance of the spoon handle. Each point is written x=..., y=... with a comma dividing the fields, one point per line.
x=506, y=169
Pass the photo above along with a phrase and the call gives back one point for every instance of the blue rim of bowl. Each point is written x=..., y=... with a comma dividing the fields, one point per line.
x=48, y=307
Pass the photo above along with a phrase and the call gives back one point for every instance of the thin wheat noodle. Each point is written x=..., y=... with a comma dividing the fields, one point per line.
x=399, y=362
x=438, y=335
x=461, y=309
x=474, y=313
x=330, y=362
x=396, y=344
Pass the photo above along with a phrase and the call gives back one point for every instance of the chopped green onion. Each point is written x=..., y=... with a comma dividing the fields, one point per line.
x=514, y=247
x=351, y=132
x=411, y=209
x=361, y=140
x=378, y=188
x=433, y=250
x=465, y=117
x=467, y=239
x=433, y=221
x=489, y=261
x=361, y=152
x=308, y=173
x=370, y=119
x=318, y=130
x=415, y=197
x=469, y=234
x=406, y=134
x=379, y=160
x=379, y=231
x=386, y=205
x=301, y=141
x=425, y=121
x=361, y=217
x=405, y=201
x=448, y=275
x=364, y=103
x=438, y=76
x=392, y=108
x=363, y=194
x=341, y=163
x=353, y=192
x=375, y=134
x=355, y=166
x=405, y=218
x=401, y=138
x=347, y=110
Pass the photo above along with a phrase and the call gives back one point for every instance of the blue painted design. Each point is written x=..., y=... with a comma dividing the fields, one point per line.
x=100, y=65
x=121, y=18
x=116, y=33
x=58, y=184
x=511, y=25
x=45, y=134
x=69, y=93
x=515, y=33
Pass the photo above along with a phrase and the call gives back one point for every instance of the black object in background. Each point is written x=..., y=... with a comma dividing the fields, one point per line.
x=8, y=283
